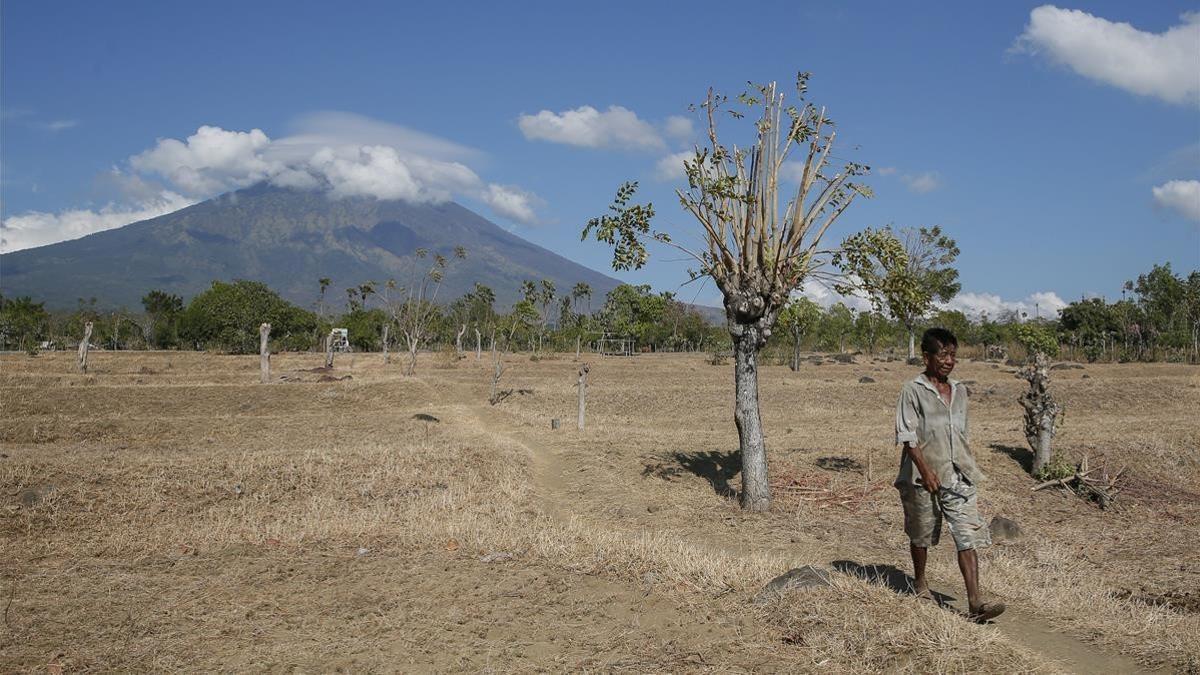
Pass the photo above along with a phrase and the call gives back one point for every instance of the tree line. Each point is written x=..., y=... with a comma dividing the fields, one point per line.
x=1157, y=318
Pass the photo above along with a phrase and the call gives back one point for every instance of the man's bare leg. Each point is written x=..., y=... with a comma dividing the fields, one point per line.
x=919, y=555
x=968, y=564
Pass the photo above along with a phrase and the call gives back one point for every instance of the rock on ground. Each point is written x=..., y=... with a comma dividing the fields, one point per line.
x=1003, y=529
x=800, y=577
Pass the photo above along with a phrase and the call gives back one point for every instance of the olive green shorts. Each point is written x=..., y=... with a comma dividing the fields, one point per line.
x=956, y=503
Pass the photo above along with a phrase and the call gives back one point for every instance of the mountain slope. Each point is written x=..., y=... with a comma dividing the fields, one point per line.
x=287, y=239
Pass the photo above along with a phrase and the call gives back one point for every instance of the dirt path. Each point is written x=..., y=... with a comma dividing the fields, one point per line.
x=551, y=468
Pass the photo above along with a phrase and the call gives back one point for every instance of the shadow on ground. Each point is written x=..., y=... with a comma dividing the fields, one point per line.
x=885, y=575
x=839, y=464
x=1022, y=456
x=715, y=466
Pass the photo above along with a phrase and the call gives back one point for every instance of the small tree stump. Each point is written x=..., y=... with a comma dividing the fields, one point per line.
x=264, y=352
x=329, y=351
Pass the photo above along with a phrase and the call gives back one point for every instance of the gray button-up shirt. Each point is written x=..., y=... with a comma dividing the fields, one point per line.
x=923, y=419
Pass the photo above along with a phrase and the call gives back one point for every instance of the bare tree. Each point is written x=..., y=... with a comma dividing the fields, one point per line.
x=756, y=249
x=414, y=307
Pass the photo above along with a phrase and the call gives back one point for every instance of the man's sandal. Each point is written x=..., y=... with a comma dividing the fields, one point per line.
x=926, y=596
x=986, y=612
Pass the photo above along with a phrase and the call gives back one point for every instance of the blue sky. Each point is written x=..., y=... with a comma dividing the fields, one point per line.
x=1058, y=146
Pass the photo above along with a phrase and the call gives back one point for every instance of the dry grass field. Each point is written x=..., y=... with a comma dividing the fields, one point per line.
x=167, y=512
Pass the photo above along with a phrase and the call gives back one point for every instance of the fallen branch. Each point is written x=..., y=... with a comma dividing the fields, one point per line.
x=1103, y=489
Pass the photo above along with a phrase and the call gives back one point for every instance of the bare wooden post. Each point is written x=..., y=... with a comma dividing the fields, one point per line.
x=497, y=371
x=478, y=344
x=387, y=358
x=582, y=384
x=264, y=353
x=83, y=346
x=458, y=340
x=329, y=350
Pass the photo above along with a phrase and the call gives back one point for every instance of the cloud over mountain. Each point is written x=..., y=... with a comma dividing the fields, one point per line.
x=38, y=228
x=341, y=154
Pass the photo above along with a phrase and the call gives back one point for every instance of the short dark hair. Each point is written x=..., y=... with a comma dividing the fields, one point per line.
x=935, y=339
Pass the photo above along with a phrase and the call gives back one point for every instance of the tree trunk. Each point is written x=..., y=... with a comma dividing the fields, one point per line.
x=83, y=346
x=1041, y=411
x=478, y=344
x=795, y=364
x=578, y=344
x=329, y=350
x=756, y=487
x=264, y=353
x=458, y=340
x=912, y=351
x=413, y=343
x=387, y=358
x=583, y=373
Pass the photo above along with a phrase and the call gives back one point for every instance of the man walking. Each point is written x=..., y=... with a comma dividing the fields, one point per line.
x=938, y=477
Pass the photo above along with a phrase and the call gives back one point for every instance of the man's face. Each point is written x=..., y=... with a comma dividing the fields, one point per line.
x=942, y=363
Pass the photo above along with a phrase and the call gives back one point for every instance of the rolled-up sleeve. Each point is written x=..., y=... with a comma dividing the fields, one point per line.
x=908, y=418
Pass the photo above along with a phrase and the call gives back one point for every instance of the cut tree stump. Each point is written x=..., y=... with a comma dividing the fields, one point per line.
x=83, y=346
x=264, y=352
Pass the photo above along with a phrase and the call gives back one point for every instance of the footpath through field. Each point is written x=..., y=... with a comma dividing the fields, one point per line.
x=580, y=477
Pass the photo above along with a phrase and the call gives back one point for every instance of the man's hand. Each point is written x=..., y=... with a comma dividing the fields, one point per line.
x=930, y=482
x=929, y=479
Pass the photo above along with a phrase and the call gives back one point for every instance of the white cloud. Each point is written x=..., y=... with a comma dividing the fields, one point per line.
x=512, y=203
x=679, y=127
x=59, y=125
x=1182, y=196
x=826, y=297
x=1045, y=304
x=1164, y=65
x=922, y=183
x=347, y=155
x=331, y=129
x=36, y=228
x=211, y=160
x=670, y=168
x=587, y=127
